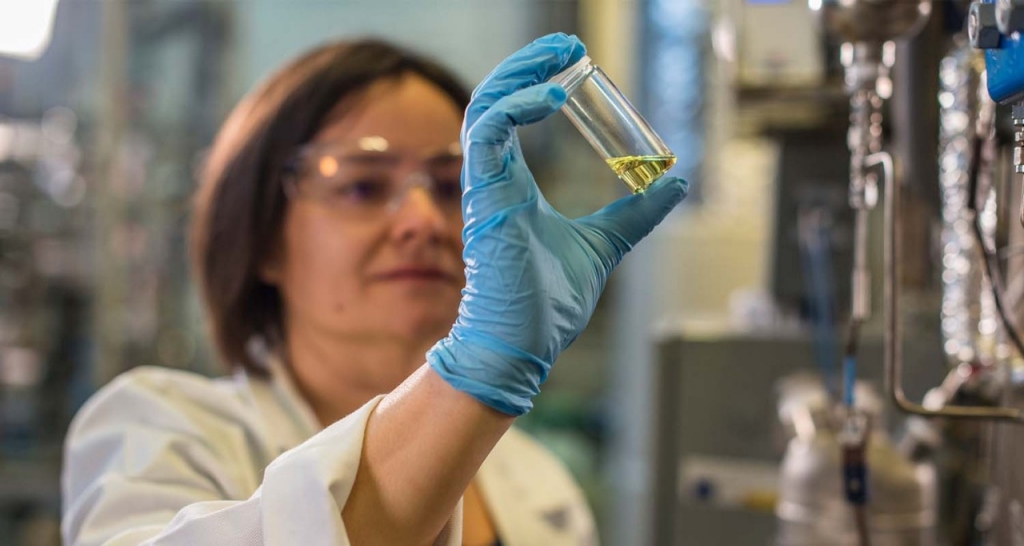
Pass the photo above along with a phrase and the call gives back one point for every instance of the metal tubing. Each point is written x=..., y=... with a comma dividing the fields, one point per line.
x=861, y=282
x=893, y=349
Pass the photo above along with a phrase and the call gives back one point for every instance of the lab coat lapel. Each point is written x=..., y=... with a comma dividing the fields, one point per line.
x=287, y=416
x=527, y=509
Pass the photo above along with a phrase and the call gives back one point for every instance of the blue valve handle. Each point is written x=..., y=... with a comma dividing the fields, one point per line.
x=1005, y=66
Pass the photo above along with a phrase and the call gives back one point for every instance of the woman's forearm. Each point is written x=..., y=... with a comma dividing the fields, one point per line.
x=424, y=443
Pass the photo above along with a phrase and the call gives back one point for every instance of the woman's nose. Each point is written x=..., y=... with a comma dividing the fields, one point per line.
x=418, y=215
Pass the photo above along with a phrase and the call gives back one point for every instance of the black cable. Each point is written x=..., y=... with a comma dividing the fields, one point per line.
x=854, y=459
x=990, y=260
x=863, y=533
x=849, y=373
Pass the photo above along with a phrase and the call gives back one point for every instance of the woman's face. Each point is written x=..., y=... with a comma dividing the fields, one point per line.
x=368, y=250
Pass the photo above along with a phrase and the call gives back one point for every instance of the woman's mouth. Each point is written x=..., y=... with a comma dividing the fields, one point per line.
x=423, y=274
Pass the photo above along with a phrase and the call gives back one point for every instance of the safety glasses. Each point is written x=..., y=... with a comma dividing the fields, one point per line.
x=368, y=180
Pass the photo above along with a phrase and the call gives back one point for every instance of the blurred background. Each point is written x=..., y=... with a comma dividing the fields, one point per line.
x=675, y=409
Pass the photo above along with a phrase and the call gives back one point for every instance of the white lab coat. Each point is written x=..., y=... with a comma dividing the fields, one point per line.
x=173, y=458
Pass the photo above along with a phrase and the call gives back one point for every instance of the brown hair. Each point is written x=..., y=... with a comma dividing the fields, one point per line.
x=240, y=202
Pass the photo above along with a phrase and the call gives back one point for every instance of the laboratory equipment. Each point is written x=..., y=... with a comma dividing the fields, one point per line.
x=867, y=29
x=972, y=362
x=42, y=313
x=980, y=26
x=612, y=125
x=868, y=55
x=717, y=456
x=1004, y=83
x=864, y=25
x=812, y=511
x=994, y=27
x=832, y=470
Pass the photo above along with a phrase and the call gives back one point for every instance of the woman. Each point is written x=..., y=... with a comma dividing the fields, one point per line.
x=330, y=246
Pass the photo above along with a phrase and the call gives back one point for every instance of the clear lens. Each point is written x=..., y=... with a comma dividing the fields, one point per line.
x=366, y=187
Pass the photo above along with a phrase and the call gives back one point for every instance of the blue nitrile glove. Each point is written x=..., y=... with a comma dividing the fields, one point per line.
x=533, y=276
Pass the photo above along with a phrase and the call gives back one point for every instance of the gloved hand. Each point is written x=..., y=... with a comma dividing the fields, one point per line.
x=533, y=276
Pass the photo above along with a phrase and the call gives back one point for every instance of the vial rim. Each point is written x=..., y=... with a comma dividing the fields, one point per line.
x=571, y=78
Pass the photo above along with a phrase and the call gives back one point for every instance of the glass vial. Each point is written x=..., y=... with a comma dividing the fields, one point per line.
x=612, y=126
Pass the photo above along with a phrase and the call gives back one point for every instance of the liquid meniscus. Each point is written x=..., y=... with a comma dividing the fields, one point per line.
x=640, y=171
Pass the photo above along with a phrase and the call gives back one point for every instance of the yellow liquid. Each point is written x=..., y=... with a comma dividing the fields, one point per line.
x=639, y=172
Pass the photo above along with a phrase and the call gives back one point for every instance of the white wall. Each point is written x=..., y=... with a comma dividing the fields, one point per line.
x=471, y=36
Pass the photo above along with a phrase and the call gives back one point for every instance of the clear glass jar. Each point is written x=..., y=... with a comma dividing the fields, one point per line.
x=612, y=126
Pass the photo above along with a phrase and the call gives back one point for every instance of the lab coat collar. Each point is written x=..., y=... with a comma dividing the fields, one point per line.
x=279, y=399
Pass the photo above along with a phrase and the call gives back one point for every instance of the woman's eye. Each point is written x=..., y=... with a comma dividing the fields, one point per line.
x=364, y=191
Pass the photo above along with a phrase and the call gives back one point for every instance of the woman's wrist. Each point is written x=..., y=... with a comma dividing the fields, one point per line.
x=494, y=373
x=425, y=440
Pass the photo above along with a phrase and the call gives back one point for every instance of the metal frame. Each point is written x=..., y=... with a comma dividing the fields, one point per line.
x=893, y=350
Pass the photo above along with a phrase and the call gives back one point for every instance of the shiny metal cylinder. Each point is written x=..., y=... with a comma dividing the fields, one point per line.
x=902, y=507
x=872, y=20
